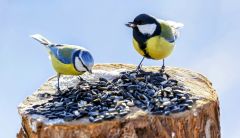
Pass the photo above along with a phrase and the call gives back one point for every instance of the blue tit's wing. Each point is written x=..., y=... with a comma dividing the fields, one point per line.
x=87, y=58
x=169, y=30
x=63, y=53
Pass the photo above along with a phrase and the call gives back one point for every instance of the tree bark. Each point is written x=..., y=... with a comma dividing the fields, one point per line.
x=202, y=121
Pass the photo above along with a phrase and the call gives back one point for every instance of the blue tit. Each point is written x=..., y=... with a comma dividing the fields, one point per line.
x=154, y=38
x=67, y=59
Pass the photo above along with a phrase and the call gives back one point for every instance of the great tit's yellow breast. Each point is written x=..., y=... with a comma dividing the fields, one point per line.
x=137, y=47
x=65, y=69
x=158, y=48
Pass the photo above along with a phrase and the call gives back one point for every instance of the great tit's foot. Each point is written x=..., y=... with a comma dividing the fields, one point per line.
x=162, y=70
x=139, y=67
x=138, y=70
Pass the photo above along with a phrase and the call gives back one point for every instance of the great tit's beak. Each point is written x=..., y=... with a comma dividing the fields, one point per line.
x=131, y=24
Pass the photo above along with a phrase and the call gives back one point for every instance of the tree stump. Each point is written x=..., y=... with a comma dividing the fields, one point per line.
x=202, y=121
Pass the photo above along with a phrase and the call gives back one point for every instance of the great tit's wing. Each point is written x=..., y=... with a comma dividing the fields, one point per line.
x=63, y=53
x=170, y=30
x=87, y=58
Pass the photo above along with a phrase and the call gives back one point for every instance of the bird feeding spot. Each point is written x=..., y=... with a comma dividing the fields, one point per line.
x=104, y=99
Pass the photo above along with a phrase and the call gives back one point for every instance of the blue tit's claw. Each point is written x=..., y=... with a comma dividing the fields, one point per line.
x=59, y=91
x=80, y=78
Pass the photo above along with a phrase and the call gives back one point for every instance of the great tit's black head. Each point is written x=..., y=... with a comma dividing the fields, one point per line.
x=145, y=24
x=143, y=19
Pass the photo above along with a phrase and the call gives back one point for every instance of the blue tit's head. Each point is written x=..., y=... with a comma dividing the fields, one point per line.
x=83, y=61
x=145, y=24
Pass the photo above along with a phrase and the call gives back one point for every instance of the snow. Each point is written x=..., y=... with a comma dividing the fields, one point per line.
x=195, y=113
x=34, y=119
x=207, y=129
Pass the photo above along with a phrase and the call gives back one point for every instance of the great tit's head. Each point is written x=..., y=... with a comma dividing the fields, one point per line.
x=145, y=24
x=83, y=61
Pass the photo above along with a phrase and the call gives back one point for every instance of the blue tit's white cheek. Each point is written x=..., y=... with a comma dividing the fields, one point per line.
x=147, y=29
x=78, y=64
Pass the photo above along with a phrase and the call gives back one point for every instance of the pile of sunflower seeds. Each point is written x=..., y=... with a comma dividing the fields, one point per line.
x=101, y=99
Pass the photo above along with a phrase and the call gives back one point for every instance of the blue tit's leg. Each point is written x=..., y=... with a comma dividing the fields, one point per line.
x=163, y=67
x=80, y=78
x=140, y=65
x=58, y=78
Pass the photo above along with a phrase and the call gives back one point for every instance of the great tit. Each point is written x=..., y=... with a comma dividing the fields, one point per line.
x=67, y=59
x=154, y=38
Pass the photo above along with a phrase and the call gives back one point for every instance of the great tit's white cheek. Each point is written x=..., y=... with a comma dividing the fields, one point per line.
x=147, y=28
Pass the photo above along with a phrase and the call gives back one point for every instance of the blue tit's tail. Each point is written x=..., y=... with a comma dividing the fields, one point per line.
x=41, y=39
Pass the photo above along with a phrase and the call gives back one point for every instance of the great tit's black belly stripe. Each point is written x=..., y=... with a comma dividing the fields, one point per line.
x=143, y=47
x=141, y=40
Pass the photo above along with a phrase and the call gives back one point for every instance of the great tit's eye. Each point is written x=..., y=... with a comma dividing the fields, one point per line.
x=139, y=22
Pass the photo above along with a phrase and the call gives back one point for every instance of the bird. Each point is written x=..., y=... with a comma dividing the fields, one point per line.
x=67, y=59
x=154, y=38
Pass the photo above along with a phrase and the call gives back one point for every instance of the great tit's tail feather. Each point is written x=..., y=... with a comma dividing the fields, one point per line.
x=41, y=39
x=176, y=25
x=173, y=24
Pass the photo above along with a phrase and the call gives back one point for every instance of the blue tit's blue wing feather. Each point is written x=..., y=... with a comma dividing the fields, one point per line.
x=87, y=58
x=62, y=53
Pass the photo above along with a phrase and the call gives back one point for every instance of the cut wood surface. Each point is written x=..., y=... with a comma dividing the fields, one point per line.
x=202, y=121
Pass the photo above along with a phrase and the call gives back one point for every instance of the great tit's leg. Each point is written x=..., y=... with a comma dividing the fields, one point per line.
x=140, y=65
x=163, y=67
x=58, y=85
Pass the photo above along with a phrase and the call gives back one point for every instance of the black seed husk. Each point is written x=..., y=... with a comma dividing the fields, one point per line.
x=103, y=99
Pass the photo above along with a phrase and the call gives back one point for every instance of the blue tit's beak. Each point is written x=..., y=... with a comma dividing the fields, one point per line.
x=131, y=24
x=90, y=71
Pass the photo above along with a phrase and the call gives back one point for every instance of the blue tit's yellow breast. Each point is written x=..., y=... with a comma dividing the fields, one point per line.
x=66, y=69
x=158, y=48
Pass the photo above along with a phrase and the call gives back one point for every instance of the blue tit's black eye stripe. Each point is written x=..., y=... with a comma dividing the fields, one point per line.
x=76, y=54
x=85, y=58
x=83, y=64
